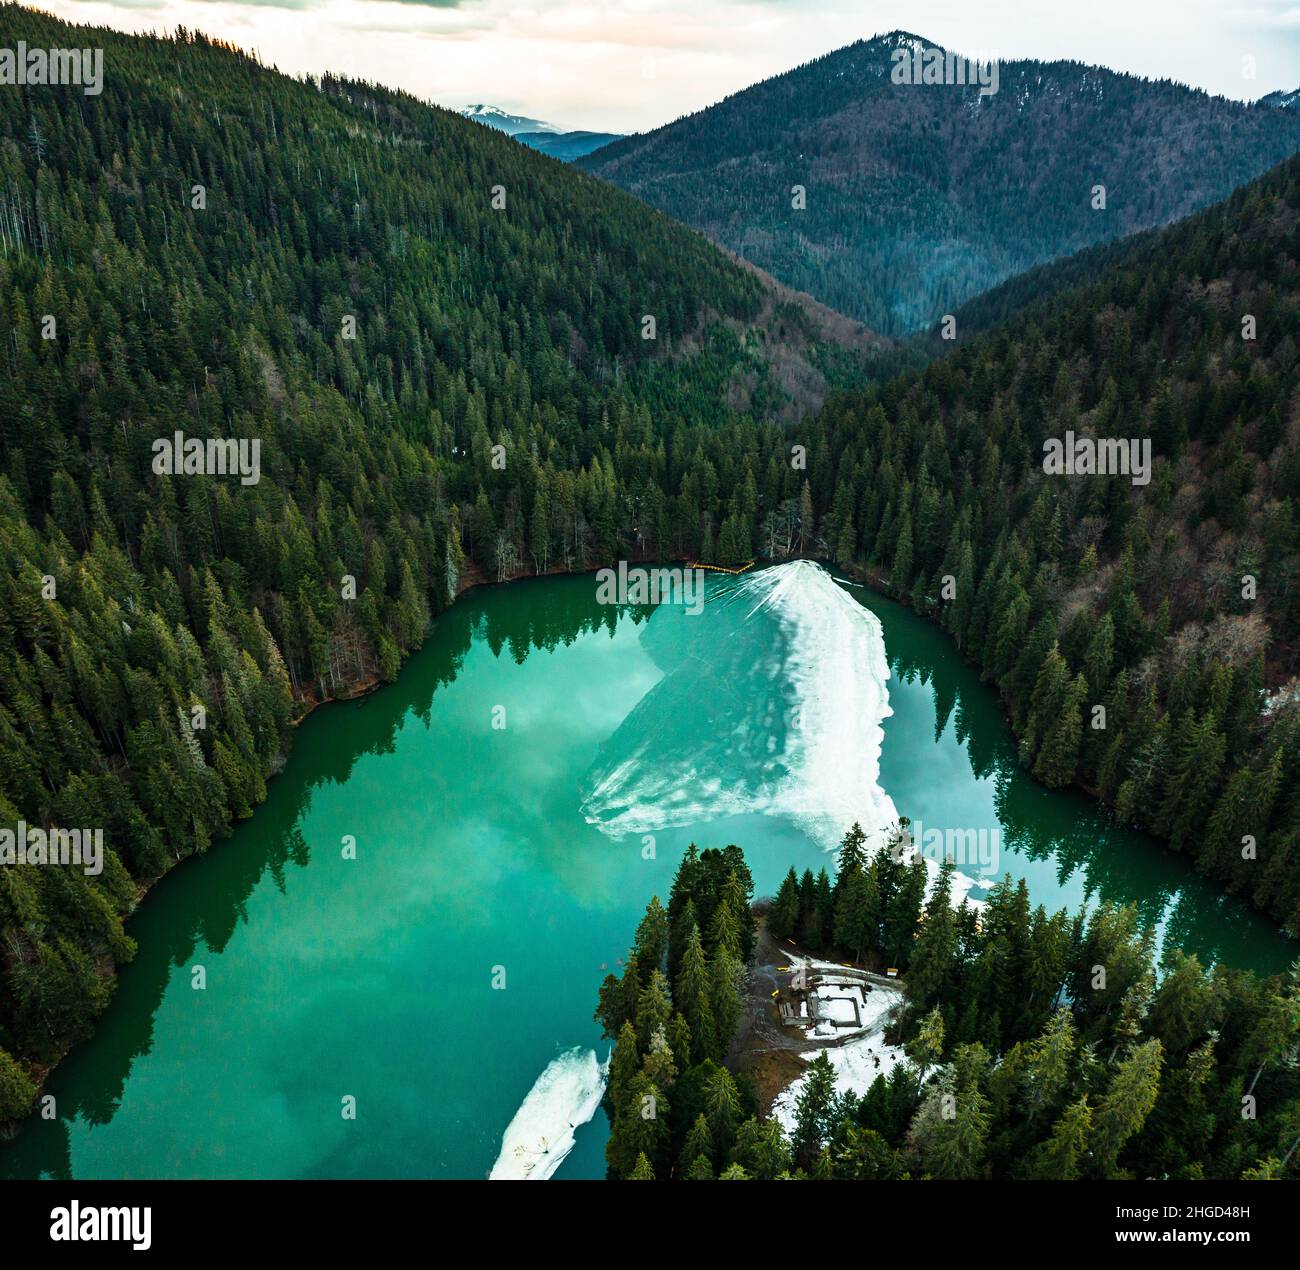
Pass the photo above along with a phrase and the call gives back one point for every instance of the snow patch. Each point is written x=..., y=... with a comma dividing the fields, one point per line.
x=800, y=737
x=857, y=1062
x=541, y=1135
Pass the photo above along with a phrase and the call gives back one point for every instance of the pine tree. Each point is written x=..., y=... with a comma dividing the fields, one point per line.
x=762, y=1150
x=700, y=1171
x=653, y=1010
x=855, y=916
x=931, y=967
x=651, y=944
x=949, y=1133
x=1243, y=811
x=903, y=913
x=925, y=1048
x=1048, y=1064
x=725, y=998
x=723, y=1108
x=724, y=930
x=737, y=895
x=1058, y=756
x=642, y=1172
x=810, y=914
x=680, y=927
x=852, y=857
x=1185, y=1006
x=692, y=997
x=1046, y=701
x=623, y=1065
x=679, y=1040
x=658, y=1067
x=640, y=1127
x=698, y=1144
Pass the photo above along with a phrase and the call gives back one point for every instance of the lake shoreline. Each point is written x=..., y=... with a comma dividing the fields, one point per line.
x=353, y=692
x=470, y=581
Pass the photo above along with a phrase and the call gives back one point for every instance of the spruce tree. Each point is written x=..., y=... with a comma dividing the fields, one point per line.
x=699, y=1143
x=651, y=944
x=931, y=967
x=642, y=1172
x=1058, y=1158
x=692, y=997
x=814, y=1110
x=1125, y=1105
x=783, y=916
x=761, y=1148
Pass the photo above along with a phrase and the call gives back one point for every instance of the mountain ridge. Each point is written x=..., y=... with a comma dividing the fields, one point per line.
x=1282, y=99
x=504, y=121
x=1145, y=637
x=536, y=134
x=567, y=146
x=919, y=197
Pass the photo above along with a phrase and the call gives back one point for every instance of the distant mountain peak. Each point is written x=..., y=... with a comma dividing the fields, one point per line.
x=901, y=39
x=504, y=121
x=1282, y=100
x=918, y=200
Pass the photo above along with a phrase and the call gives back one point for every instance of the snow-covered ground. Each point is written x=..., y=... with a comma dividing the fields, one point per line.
x=540, y=1136
x=845, y=1000
x=858, y=1061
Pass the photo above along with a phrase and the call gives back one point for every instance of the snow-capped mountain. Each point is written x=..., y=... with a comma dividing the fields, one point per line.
x=495, y=117
x=538, y=135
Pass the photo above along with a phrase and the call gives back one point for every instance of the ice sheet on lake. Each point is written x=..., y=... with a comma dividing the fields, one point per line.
x=771, y=703
x=541, y=1134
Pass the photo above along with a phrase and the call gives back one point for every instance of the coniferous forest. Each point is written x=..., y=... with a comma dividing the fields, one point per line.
x=1019, y=1064
x=130, y=599
x=463, y=362
x=1174, y=605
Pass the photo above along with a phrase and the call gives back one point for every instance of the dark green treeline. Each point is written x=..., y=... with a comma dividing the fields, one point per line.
x=1037, y=1047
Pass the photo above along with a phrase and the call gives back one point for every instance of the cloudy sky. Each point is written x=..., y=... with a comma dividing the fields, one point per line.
x=633, y=64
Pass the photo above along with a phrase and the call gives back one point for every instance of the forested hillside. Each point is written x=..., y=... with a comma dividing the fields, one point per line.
x=566, y=146
x=1021, y=1061
x=436, y=337
x=1008, y=299
x=919, y=196
x=1145, y=638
